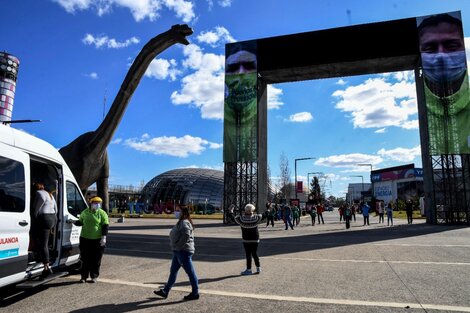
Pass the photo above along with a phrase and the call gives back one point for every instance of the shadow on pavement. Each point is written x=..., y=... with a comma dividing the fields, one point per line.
x=169, y=226
x=127, y=307
x=200, y=281
x=10, y=294
x=221, y=249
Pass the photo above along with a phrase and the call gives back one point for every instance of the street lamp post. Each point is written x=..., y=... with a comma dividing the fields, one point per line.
x=295, y=169
x=362, y=188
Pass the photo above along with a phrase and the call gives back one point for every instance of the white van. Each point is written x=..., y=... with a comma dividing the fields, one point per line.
x=25, y=160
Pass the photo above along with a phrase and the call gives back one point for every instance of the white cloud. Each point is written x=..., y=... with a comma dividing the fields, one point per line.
x=341, y=82
x=414, y=124
x=380, y=131
x=300, y=117
x=72, y=5
x=219, y=167
x=162, y=69
x=140, y=9
x=104, y=41
x=116, y=141
x=213, y=145
x=92, y=75
x=216, y=36
x=225, y=3
x=401, y=154
x=379, y=103
x=173, y=146
x=274, y=97
x=183, y=9
x=348, y=160
x=204, y=88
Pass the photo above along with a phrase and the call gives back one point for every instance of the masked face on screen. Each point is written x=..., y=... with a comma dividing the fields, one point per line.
x=444, y=68
x=241, y=90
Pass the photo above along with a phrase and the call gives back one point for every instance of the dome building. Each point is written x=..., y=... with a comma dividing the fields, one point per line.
x=186, y=186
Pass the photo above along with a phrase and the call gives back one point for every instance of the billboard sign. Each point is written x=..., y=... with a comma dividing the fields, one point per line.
x=240, y=102
x=441, y=44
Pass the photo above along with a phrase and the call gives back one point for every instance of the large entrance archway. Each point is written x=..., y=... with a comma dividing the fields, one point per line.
x=431, y=46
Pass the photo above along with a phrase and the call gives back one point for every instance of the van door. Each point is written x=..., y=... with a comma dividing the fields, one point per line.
x=15, y=218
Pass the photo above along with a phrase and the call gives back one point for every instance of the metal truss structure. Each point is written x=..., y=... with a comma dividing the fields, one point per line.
x=240, y=185
x=451, y=180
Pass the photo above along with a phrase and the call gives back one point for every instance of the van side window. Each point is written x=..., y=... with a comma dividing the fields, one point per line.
x=75, y=202
x=12, y=186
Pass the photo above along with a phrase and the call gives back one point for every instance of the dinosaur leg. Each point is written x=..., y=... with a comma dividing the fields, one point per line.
x=102, y=191
x=102, y=185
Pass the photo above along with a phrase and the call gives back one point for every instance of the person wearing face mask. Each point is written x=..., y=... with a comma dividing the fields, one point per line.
x=447, y=94
x=240, y=105
x=182, y=245
x=95, y=224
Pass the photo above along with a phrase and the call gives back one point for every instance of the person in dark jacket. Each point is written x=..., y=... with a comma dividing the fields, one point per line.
x=250, y=234
x=409, y=210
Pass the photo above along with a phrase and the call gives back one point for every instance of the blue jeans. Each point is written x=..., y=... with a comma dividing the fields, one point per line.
x=182, y=259
x=287, y=220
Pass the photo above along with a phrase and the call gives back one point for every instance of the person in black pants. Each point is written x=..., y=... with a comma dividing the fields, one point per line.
x=250, y=234
x=409, y=210
x=270, y=214
x=45, y=220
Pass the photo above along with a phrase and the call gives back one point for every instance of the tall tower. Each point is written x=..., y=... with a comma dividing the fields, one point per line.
x=8, y=73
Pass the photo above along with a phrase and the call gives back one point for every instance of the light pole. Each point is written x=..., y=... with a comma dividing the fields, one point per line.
x=295, y=170
x=362, y=189
x=371, y=183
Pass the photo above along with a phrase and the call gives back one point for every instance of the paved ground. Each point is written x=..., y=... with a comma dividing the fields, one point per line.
x=325, y=268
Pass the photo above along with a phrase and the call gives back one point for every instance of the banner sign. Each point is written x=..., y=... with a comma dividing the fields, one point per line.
x=441, y=43
x=395, y=175
x=299, y=187
x=240, y=104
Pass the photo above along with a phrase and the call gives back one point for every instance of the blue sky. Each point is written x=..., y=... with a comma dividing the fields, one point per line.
x=74, y=54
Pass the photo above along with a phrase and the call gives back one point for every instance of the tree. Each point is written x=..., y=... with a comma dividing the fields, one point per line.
x=315, y=193
x=284, y=181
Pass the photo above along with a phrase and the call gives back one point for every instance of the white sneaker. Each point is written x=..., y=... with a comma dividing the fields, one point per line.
x=258, y=270
x=246, y=272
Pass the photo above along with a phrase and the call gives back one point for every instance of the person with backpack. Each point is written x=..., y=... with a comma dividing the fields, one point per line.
x=365, y=213
x=313, y=214
x=347, y=212
x=295, y=215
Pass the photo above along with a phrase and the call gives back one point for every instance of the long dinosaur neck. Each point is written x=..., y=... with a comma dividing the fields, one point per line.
x=104, y=133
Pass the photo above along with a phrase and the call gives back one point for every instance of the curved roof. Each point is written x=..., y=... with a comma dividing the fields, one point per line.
x=185, y=186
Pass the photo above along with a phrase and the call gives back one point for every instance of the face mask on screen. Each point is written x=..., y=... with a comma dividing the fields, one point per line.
x=177, y=214
x=444, y=67
x=240, y=90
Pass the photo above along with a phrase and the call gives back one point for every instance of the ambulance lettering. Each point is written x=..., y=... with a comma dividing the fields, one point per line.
x=11, y=245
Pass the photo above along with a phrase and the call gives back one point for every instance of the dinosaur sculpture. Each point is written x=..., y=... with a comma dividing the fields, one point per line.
x=86, y=155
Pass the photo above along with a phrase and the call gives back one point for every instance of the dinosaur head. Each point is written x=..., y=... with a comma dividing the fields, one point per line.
x=180, y=32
